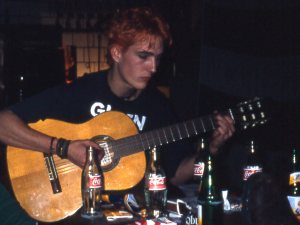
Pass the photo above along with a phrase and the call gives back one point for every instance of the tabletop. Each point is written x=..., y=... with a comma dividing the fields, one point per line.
x=233, y=217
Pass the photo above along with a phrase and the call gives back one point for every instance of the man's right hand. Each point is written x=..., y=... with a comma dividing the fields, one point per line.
x=77, y=151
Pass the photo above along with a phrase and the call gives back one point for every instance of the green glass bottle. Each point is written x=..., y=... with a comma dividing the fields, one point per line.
x=210, y=196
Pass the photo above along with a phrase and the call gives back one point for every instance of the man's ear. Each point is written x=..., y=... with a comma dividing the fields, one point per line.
x=115, y=52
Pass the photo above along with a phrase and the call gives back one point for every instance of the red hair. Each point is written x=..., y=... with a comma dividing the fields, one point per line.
x=135, y=24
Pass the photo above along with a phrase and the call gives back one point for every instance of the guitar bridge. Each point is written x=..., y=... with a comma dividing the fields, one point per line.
x=52, y=173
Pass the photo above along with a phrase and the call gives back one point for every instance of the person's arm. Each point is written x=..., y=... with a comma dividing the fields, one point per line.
x=14, y=132
x=220, y=135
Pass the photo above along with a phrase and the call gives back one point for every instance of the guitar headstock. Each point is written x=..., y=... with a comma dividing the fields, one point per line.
x=249, y=113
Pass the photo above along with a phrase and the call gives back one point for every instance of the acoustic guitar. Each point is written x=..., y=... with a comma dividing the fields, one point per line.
x=49, y=188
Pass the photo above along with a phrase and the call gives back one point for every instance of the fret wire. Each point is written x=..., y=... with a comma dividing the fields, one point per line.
x=170, y=136
x=171, y=132
x=165, y=135
x=177, y=127
x=212, y=122
x=193, y=123
x=191, y=128
x=187, y=132
x=179, y=131
x=174, y=133
x=208, y=123
x=183, y=130
x=157, y=134
x=167, y=130
x=204, y=130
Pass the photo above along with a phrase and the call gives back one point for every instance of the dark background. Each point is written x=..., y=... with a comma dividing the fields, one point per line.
x=224, y=52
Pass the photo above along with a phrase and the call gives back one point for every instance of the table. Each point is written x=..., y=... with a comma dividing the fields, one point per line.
x=232, y=218
x=228, y=219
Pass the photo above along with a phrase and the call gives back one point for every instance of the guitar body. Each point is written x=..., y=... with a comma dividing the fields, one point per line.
x=29, y=175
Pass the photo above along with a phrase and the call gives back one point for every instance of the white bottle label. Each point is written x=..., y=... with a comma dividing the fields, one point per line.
x=95, y=181
x=156, y=182
x=249, y=170
x=294, y=177
x=199, y=169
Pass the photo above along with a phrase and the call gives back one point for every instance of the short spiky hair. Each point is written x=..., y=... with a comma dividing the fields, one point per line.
x=130, y=25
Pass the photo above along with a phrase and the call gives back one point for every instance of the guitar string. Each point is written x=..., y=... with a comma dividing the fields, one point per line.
x=148, y=137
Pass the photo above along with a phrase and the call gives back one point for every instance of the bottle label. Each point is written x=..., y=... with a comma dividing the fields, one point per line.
x=294, y=177
x=156, y=183
x=295, y=205
x=249, y=170
x=95, y=181
x=199, y=169
x=191, y=219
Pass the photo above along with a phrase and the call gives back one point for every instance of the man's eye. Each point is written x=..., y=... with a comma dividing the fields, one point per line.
x=143, y=55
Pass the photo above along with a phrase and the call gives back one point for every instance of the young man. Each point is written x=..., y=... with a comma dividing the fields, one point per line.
x=136, y=40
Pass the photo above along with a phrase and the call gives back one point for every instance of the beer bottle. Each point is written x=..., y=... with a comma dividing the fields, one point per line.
x=209, y=197
x=253, y=164
x=294, y=185
x=91, y=185
x=199, y=162
x=251, y=167
x=155, y=188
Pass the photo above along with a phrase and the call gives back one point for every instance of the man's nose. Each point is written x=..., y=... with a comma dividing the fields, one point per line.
x=153, y=64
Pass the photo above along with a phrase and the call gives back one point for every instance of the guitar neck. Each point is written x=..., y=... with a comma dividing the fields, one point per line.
x=148, y=140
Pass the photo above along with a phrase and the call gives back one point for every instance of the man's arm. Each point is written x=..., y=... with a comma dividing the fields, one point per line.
x=220, y=135
x=14, y=132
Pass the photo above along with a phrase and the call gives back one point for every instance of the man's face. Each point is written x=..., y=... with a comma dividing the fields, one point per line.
x=138, y=63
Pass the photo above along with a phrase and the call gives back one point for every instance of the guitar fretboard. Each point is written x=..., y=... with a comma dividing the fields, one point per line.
x=148, y=140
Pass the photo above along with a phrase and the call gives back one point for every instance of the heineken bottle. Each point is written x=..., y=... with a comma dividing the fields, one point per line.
x=209, y=198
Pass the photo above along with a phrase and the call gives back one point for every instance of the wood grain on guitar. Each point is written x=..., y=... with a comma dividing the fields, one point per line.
x=124, y=162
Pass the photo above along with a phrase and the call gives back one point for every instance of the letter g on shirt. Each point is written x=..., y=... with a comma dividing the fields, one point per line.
x=98, y=108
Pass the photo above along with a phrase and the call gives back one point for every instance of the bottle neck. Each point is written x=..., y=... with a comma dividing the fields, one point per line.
x=295, y=163
x=252, y=147
x=208, y=191
x=154, y=161
x=154, y=155
x=89, y=155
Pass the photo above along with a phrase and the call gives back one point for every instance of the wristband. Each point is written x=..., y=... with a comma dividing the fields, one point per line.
x=62, y=148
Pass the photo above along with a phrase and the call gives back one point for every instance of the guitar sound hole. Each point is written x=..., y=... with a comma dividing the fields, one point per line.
x=108, y=162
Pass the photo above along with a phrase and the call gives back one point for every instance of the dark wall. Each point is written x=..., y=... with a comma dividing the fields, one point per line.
x=244, y=49
x=34, y=53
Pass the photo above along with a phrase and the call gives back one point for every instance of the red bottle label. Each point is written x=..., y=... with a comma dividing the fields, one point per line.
x=249, y=170
x=95, y=181
x=199, y=169
x=157, y=183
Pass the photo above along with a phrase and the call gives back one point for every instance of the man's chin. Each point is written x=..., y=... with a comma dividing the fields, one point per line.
x=141, y=86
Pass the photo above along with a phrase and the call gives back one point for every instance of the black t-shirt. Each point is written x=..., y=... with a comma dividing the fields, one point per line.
x=90, y=96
